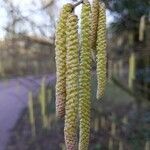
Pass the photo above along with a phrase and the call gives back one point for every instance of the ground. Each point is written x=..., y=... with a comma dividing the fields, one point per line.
x=13, y=100
x=115, y=118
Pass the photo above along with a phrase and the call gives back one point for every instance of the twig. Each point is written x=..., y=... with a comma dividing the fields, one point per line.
x=78, y=3
x=85, y=1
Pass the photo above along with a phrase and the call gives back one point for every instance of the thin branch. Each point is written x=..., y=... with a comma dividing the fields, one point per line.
x=47, y=5
x=40, y=40
x=78, y=3
x=85, y=1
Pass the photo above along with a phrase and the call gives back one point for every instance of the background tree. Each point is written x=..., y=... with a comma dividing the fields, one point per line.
x=127, y=16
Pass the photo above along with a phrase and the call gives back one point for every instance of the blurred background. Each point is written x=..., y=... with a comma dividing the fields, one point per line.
x=120, y=121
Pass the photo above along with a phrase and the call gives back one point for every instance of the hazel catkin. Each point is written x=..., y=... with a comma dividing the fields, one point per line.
x=72, y=63
x=101, y=52
x=85, y=77
x=60, y=52
x=94, y=24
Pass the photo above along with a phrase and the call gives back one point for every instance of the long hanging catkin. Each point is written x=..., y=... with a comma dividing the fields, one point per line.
x=101, y=52
x=72, y=63
x=85, y=77
x=61, y=60
x=94, y=24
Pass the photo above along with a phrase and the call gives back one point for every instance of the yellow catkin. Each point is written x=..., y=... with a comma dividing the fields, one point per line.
x=101, y=52
x=110, y=144
x=43, y=104
x=31, y=113
x=72, y=63
x=147, y=145
x=132, y=69
x=85, y=77
x=120, y=145
x=61, y=60
x=94, y=26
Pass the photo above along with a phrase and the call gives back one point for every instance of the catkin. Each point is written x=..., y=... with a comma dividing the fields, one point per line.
x=94, y=26
x=72, y=63
x=61, y=60
x=84, y=77
x=101, y=52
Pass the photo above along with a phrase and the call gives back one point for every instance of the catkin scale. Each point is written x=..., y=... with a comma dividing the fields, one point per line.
x=60, y=52
x=72, y=64
x=84, y=77
x=101, y=52
x=94, y=26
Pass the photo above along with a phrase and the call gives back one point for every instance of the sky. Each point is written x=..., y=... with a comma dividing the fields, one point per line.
x=26, y=6
x=40, y=17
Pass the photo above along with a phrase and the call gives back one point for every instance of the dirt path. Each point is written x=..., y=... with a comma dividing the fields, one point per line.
x=13, y=99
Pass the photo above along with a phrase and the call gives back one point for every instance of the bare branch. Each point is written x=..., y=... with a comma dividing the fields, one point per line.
x=47, y=5
x=78, y=3
x=40, y=40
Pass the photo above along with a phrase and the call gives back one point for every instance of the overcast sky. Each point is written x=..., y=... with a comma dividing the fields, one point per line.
x=40, y=17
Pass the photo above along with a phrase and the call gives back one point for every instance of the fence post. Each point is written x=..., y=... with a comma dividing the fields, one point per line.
x=132, y=69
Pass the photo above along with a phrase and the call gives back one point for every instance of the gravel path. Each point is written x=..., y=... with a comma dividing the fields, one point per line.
x=13, y=99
